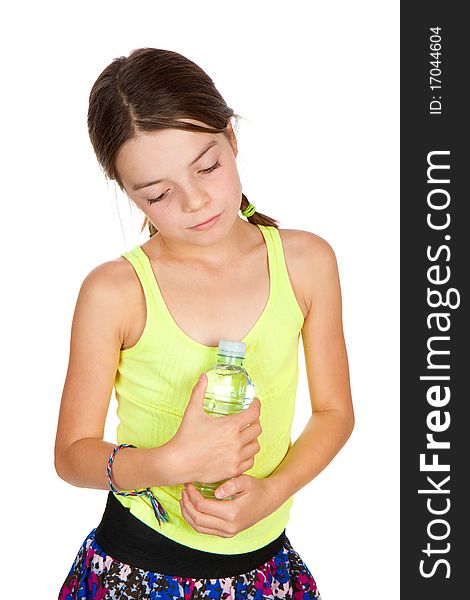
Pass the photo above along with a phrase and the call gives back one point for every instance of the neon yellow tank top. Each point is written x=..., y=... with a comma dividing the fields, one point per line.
x=155, y=378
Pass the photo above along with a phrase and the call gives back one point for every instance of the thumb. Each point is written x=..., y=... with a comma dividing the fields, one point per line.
x=199, y=389
x=232, y=486
x=202, y=381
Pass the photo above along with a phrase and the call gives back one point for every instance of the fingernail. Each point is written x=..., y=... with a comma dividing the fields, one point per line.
x=220, y=493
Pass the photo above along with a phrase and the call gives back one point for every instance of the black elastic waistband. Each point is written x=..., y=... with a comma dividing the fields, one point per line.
x=128, y=539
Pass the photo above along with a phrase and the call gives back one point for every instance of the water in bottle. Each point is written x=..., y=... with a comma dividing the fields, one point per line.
x=229, y=390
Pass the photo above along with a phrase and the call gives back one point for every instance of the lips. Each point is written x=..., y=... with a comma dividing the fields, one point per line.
x=204, y=222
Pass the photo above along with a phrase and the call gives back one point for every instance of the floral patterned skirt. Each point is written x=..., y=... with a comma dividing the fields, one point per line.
x=95, y=575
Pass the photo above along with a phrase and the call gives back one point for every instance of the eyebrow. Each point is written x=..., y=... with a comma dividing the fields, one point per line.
x=207, y=147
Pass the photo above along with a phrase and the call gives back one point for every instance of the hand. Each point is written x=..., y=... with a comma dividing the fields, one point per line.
x=207, y=448
x=253, y=500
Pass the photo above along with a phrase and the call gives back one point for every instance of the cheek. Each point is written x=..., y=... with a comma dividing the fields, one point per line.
x=164, y=217
x=234, y=173
x=230, y=184
x=161, y=216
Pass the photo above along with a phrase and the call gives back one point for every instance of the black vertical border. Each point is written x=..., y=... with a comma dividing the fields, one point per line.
x=421, y=133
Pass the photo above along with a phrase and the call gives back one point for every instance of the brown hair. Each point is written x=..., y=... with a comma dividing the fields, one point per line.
x=150, y=90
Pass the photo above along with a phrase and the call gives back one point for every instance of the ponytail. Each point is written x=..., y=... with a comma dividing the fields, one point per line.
x=258, y=218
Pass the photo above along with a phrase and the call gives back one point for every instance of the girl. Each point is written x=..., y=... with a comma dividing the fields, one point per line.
x=148, y=324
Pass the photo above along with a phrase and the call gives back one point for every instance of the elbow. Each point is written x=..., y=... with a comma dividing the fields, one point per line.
x=58, y=466
x=59, y=463
x=351, y=422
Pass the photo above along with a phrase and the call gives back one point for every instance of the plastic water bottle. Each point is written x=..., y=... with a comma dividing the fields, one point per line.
x=229, y=390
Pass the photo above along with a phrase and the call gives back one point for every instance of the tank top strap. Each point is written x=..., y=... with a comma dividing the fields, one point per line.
x=144, y=272
x=280, y=276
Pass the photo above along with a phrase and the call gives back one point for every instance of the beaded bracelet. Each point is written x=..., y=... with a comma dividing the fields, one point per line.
x=160, y=512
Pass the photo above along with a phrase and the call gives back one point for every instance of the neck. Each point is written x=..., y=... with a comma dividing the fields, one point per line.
x=216, y=255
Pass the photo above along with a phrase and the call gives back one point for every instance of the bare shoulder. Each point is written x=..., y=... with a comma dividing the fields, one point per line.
x=113, y=288
x=311, y=262
x=112, y=279
x=305, y=244
x=98, y=327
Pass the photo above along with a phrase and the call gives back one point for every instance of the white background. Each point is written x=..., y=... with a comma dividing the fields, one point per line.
x=317, y=84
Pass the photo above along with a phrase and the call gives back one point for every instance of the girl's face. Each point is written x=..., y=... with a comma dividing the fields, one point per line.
x=180, y=179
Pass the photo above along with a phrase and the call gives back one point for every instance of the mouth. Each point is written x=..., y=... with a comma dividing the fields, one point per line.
x=207, y=222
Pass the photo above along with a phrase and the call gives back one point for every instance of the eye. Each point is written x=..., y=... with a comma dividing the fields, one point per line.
x=152, y=200
x=216, y=165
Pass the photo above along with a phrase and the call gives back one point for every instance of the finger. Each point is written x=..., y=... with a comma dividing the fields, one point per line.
x=248, y=415
x=204, y=522
x=247, y=455
x=233, y=486
x=249, y=448
x=250, y=433
x=246, y=466
x=253, y=409
x=189, y=520
x=202, y=529
x=214, y=509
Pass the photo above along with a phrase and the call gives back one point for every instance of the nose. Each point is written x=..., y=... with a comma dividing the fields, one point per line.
x=195, y=198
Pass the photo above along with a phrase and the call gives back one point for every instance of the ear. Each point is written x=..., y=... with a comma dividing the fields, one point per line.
x=233, y=139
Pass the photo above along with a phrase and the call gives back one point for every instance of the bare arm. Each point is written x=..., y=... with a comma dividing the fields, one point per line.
x=81, y=454
x=332, y=419
x=84, y=465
